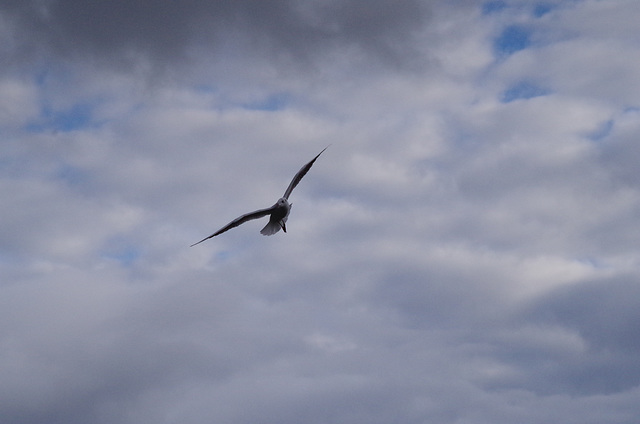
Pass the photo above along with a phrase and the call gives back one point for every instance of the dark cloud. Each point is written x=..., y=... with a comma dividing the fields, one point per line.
x=605, y=313
x=619, y=147
x=164, y=31
x=604, y=316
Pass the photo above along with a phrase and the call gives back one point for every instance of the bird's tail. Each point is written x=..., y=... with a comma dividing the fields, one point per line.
x=271, y=228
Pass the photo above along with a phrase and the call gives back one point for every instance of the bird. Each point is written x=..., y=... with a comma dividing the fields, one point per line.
x=279, y=212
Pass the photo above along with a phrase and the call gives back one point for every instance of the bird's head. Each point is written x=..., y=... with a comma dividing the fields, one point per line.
x=282, y=202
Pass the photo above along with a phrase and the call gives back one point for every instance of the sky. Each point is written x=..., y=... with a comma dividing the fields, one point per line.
x=465, y=251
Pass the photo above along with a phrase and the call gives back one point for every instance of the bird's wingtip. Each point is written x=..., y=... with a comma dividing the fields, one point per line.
x=200, y=241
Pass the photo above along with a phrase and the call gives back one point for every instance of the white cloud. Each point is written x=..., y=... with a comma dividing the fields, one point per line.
x=461, y=252
x=18, y=103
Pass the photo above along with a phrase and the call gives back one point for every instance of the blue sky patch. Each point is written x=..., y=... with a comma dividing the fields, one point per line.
x=542, y=9
x=76, y=117
x=603, y=130
x=523, y=90
x=512, y=39
x=271, y=103
x=493, y=7
x=125, y=255
x=72, y=175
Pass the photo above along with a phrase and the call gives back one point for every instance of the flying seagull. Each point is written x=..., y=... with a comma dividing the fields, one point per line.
x=278, y=212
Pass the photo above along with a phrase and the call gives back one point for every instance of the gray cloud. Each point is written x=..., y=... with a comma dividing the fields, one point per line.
x=127, y=32
x=603, y=315
x=457, y=255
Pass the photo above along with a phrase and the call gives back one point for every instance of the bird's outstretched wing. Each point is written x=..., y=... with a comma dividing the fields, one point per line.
x=239, y=220
x=301, y=173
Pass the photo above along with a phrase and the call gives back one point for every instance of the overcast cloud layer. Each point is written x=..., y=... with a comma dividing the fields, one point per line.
x=466, y=251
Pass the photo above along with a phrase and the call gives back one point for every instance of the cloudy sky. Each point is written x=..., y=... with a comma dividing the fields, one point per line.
x=466, y=250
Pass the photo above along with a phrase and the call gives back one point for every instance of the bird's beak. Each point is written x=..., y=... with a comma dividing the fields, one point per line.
x=284, y=227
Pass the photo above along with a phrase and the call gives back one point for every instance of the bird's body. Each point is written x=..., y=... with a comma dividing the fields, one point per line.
x=278, y=213
x=278, y=219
